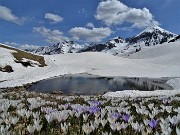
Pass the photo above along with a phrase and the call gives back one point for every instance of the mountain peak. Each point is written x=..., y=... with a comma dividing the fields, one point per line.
x=152, y=35
x=153, y=28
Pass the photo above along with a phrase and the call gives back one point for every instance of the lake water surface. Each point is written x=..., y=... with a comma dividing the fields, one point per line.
x=91, y=85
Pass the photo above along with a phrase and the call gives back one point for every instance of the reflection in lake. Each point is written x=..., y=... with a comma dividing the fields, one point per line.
x=88, y=84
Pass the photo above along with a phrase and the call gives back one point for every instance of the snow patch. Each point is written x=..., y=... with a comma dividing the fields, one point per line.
x=136, y=93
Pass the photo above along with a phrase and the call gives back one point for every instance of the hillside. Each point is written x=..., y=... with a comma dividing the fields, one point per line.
x=13, y=58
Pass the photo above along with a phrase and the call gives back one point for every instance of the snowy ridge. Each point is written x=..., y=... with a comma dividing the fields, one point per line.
x=174, y=39
x=152, y=35
x=152, y=28
x=60, y=48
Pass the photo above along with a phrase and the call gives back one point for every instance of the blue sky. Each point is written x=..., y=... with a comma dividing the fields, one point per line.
x=45, y=22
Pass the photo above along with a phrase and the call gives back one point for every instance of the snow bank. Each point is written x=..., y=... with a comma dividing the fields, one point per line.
x=136, y=93
x=175, y=83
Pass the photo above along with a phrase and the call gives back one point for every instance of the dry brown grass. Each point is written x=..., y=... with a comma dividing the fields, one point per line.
x=21, y=54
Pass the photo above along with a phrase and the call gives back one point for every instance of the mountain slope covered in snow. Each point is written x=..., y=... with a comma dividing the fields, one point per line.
x=15, y=59
x=60, y=48
x=152, y=35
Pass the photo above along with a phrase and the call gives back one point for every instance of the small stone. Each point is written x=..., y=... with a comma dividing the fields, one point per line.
x=57, y=92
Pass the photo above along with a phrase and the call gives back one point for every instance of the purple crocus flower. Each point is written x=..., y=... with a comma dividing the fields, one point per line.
x=125, y=117
x=94, y=109
x=115, y=115
x=153, y=123
x=67, y=106
x=96, y=103
x=51, y=111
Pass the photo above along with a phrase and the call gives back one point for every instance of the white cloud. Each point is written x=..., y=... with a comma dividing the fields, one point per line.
x=29, y=47
x=22, y=46
x=52, y=36
x=90, y=35
x=7, y=15
x=91, y=25
x=53, y=17
x=114, y=12
x=12, y=43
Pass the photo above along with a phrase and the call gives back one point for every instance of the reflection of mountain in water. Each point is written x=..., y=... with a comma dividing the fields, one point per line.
x=96, y=85
x=144, y=84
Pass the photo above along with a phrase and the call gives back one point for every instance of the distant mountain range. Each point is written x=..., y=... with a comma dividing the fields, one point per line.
x=151, y=36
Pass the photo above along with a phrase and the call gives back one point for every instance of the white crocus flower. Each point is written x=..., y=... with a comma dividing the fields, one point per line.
x=106, y=133
x=177, y=110
x=103, y=113
x=149, y=130
x=36, y=121
x=64, y=128
x=97, y=121
x=87, y=128
x=124, y=125
x=4, y=130
x=31, y=128
x=169, y=109
x=155, y=111
x=21, y=112
x=151, y=106
x=113, y=126
x=111, y=119
x=93, y=126
x=145, y=121
x=14, y=120
x=49, y=118
x=136, y=126
x=28, y=114
x=85, y=116
x=1, y=121
x=38, y=127
x=173, y=120
x=165, y=127
x=151, y=115
x=36, y=115
x=118, y=126
x=71, y=113
x=97, y=114
x=177, y=131
x=103, y=122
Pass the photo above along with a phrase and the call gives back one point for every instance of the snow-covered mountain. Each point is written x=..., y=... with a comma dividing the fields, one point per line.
x=103, y=47
x=60, y=48
x=176, y=38
x=151, y=36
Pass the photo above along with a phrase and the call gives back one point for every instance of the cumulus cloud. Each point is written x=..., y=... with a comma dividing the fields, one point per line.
x=7, y=15
x=52, y=36
x=90, y=35
x=22, y=46
x=91, y=25
x=53, y=17
x=114, y=12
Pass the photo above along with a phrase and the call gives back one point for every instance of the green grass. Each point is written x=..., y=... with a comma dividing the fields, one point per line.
x=21, y=54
